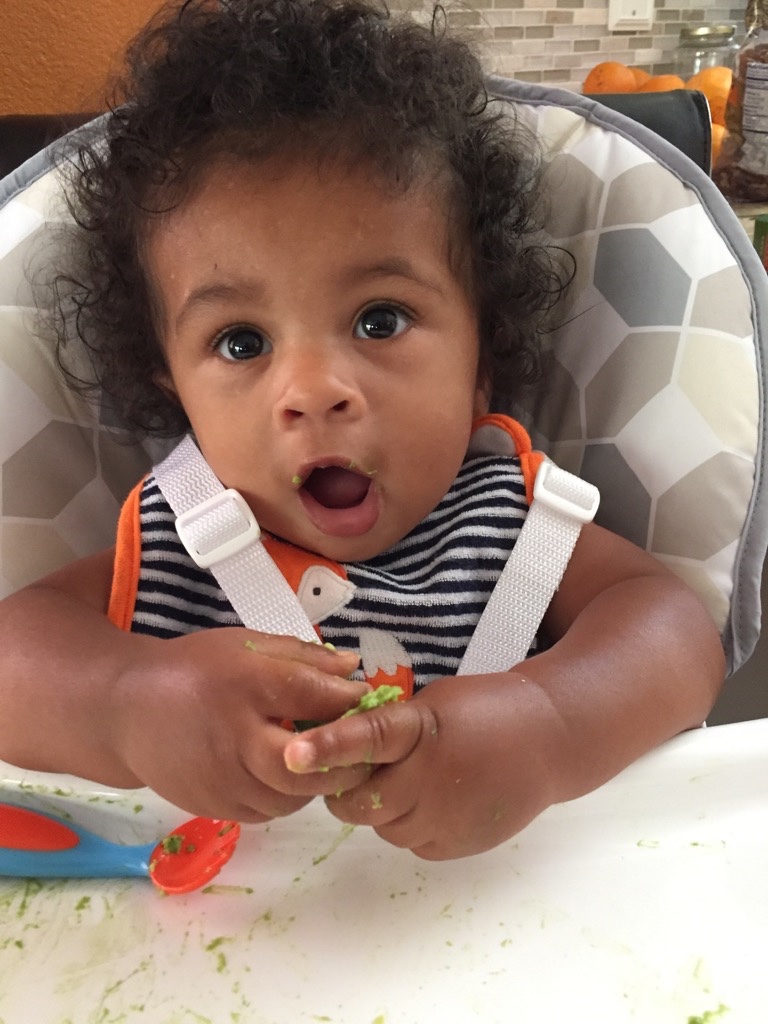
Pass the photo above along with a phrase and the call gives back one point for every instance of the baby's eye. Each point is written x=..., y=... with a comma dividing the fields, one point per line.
x=381, y=322
x=242, y=343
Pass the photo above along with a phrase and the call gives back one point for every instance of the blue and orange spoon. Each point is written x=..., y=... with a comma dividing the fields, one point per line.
x=38, y=844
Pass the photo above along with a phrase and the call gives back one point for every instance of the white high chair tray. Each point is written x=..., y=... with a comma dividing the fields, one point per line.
x=646, y=901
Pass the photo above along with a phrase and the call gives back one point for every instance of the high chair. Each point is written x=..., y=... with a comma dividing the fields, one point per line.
x=654, y=394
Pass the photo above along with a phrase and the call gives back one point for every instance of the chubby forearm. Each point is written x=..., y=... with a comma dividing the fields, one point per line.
x=61, y=660
x=639, y=664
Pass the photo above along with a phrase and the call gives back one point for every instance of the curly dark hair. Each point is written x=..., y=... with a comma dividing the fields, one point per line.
x=251, y=78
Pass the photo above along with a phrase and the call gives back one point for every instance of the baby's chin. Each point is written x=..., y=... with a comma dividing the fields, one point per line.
x=335, y=549
x=334, y=543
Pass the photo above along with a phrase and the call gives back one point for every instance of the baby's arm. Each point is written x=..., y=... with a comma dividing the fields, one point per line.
x=471, y=760
x=196, y=718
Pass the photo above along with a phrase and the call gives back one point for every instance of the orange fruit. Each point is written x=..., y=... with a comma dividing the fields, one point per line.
x=662, y=83
x=609, y=76
x=719, y=134
x=715, y=83
x=641, y=77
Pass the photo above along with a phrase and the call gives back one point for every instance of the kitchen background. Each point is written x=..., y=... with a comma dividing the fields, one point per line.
x=55, y=55
x=556, y=42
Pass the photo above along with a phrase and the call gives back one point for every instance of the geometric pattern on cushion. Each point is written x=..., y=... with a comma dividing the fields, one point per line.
x=63, y=474
x=654, y=394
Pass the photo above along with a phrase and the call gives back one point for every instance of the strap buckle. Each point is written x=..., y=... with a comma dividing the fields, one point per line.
x=217, y=528
x=566, y=493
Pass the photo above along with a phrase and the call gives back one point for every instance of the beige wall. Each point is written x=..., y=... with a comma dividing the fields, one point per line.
x=55, y=55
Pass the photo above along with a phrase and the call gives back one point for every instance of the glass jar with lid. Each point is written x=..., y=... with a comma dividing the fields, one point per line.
x=741, y=169
x=705, y=46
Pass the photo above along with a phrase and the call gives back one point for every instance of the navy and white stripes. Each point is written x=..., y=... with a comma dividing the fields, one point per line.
x=428, y=591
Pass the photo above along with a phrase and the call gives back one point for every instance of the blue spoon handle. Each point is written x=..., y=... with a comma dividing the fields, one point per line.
x=78, y=862
x=91, y=857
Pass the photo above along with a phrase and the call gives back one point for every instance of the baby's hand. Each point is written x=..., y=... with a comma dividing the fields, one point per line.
x=461, y=767
x=202, y=720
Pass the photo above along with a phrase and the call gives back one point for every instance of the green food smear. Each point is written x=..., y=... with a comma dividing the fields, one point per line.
x=709, y=1015
x=374, y=699
x=172, y=844
x=345, y=833
x=220, y=889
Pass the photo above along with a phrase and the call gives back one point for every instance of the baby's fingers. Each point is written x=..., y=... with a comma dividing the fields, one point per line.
x=293, y=680
x=382, y=736
x=322, y=656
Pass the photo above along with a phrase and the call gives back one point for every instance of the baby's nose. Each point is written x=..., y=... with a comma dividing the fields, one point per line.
x=318, y=386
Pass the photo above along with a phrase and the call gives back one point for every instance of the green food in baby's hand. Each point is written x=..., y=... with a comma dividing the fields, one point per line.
x=374, y=699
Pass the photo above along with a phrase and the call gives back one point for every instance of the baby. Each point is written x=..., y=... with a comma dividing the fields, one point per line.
x=310, y=238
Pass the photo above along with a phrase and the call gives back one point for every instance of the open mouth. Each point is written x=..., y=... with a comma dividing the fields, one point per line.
x=339, y=501
x=336, y=487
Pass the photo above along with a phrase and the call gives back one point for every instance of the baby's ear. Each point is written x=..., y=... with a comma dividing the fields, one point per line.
x=163, y=380
x=482, y=401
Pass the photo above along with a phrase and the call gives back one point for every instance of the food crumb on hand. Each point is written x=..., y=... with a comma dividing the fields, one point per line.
x=374, y=699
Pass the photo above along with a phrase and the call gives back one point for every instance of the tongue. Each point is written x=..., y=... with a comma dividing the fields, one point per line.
x=335, y=487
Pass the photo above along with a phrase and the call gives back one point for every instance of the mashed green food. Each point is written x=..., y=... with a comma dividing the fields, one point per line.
x=374, y=699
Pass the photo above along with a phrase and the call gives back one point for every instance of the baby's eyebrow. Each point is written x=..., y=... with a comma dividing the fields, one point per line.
x=221, y=291
x=394, y=266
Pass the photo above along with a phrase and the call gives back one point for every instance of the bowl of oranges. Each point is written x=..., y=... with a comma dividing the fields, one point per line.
x=715, y=83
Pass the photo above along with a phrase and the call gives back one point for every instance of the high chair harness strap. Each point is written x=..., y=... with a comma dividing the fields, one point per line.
x=561, y=504
x=220, y=533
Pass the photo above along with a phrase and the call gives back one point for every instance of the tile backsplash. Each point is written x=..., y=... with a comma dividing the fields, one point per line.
x=556, y=42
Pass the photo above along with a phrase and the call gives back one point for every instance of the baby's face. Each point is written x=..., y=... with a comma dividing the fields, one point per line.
x=322, y=347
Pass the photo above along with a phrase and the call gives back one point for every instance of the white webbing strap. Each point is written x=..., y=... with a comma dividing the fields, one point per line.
x=220, y=532
x=561, y=504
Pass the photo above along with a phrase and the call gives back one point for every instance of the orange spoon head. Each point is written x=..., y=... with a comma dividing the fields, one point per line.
x=187, y=858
